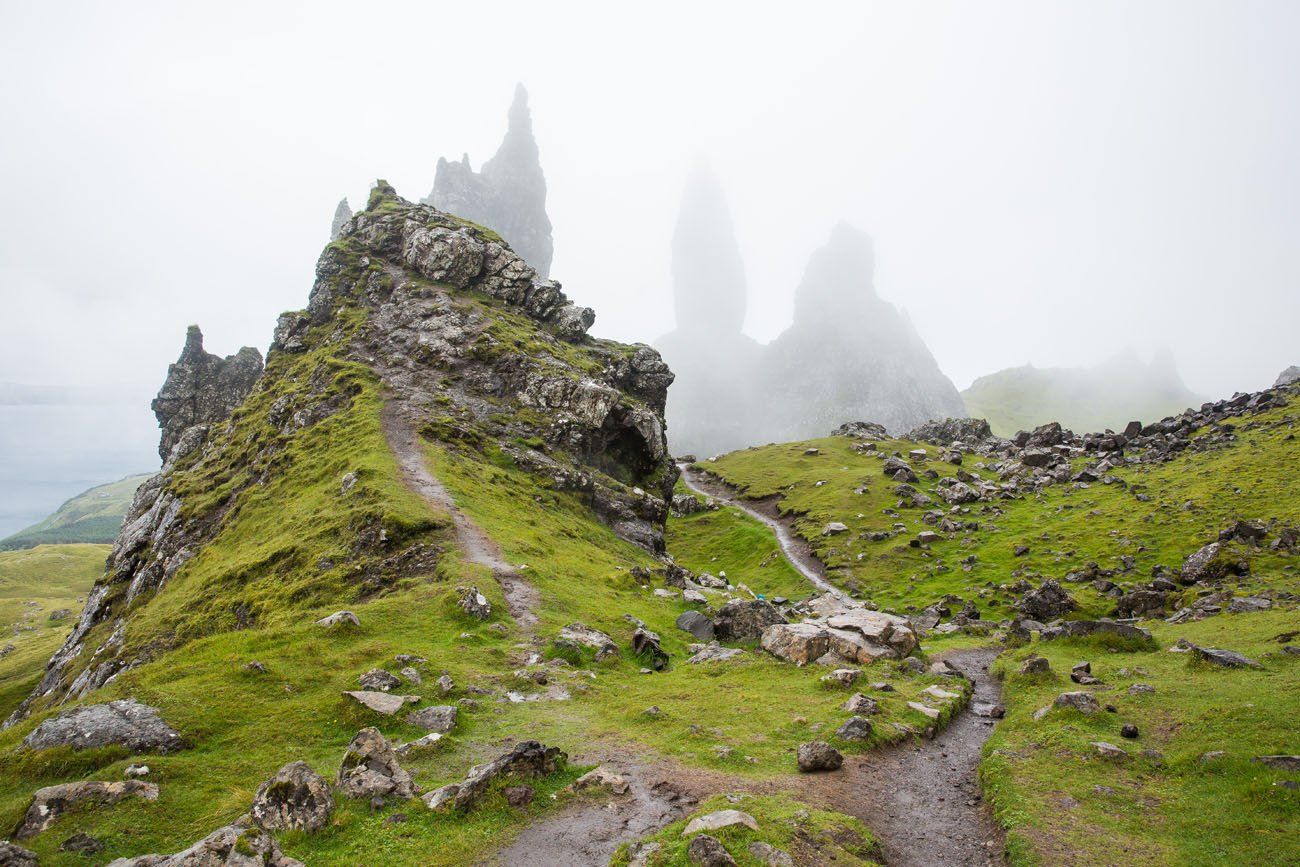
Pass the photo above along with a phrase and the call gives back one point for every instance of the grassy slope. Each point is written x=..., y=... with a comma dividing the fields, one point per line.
x=93, y=516
x=1162, y=816
x=54, y=577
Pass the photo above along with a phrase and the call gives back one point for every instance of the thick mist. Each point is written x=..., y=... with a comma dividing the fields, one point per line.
x=1045, y=183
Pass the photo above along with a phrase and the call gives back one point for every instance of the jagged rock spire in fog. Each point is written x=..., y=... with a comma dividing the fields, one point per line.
x=708, y=273
x=202, y=388
x=849, y=355
x=342, y=214
x=840, y=279
x=508, y=195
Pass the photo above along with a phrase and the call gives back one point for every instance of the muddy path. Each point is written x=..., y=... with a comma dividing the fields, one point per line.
x=475, y=545
x=922, y=799
x=586, y=833
x=795, y=547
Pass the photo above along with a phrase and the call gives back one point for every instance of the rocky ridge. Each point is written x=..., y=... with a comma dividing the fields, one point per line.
x=469, y=342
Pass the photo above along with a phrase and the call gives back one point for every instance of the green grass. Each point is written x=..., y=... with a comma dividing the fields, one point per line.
x=808, y=835
x=93, y=516
x=1065, y=805
x=54, y=577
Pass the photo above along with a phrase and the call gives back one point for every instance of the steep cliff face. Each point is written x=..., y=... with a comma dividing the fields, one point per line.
x=202, y=388
x=714, y=362
x=849, y=355
x=508, y=195
x=413, y=312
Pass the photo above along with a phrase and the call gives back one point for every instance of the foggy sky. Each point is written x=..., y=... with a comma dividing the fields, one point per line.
x=1045, y=182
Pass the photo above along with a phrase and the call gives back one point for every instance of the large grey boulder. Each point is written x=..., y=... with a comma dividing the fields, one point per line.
x=1288, y=376
x=742, y=619
x=13, y=855
x=125, y=722
x=294, y=798
x=437, y=718
x=818, y=756
x=1048, y=602
x=370, y=769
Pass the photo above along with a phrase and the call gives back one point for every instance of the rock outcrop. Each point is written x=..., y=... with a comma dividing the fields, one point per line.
x=126, y=723
x=202, y=388
x=714, y=362
x=240, y=844
x=848, y=355
x=508, y=195
x=342, y=214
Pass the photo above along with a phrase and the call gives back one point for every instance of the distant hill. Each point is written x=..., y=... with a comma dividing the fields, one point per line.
x=91, y=516
x=1110, y=395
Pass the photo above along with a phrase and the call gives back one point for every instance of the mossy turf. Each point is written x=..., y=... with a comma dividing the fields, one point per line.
x=54, y=577
x=808, y=835
x=1065, y=804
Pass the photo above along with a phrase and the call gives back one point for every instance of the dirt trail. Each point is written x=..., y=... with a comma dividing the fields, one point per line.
x=522, y=599
x=795, y=548
x=586, y=833
x=922, y=800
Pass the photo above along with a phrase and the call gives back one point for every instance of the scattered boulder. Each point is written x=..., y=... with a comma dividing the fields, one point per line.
x=1084, y=628
x=603, y=778
x=1280, y=762
x=835, y=528
x=584, y=636
x=1048, y=602
x=1036, y=665
x=819, y=756
x=719, y=820
x=706, y=851
x=1207, y=564
x=645, y=644
x=745, y=619
x=697, y=624
x=13, y=855
x=53, y=801
x=528, y=759
x=769, y=855
x=438, y=718
x=81, y=843
x=240, y=844
x=339, y=618
x=1110, y=751
x=860, y=704
x=296, y=797
x=1224, y=658
x=378, y=679
x=855, y=729
x=381, y=702
x=474, y=603
x=1084, y=702
x=518, y=796
x=125, y=722
x=370, y=769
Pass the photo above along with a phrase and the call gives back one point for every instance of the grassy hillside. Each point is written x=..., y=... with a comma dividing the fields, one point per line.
x=1063, y=803
x=1083, y=400
x=93, y=516
x=35, y=584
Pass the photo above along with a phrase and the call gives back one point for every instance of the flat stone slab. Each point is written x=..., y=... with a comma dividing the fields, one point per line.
x=720, y=819
x=381, y=702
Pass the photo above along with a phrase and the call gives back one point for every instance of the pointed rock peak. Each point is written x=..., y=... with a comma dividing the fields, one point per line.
x=708, y=272
x=521, y=119
x=193, y=344
x=342, y=214
x=202, y=388
x=840, y=276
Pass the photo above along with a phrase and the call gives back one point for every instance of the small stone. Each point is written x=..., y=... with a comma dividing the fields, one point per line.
x=602, y=777
x=770, y=855
x=438, y=718
x=860, y=704
x=706, y=851
x=1110, y=751
x=719, y=820
x=1036, y=665
x=474, y=603
x=1084, y=702
x=446, y=684
x=136, y=770
x=411, y=676
x=378, y=679
x=819, y=756
x=381, y=702
x=855, y=729
x=1128, y=730
x=81, y=843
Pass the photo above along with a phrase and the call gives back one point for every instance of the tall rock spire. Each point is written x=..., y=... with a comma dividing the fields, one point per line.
x=708, y=273
x=342, y=214
x=508, y=195
x=708, y=410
